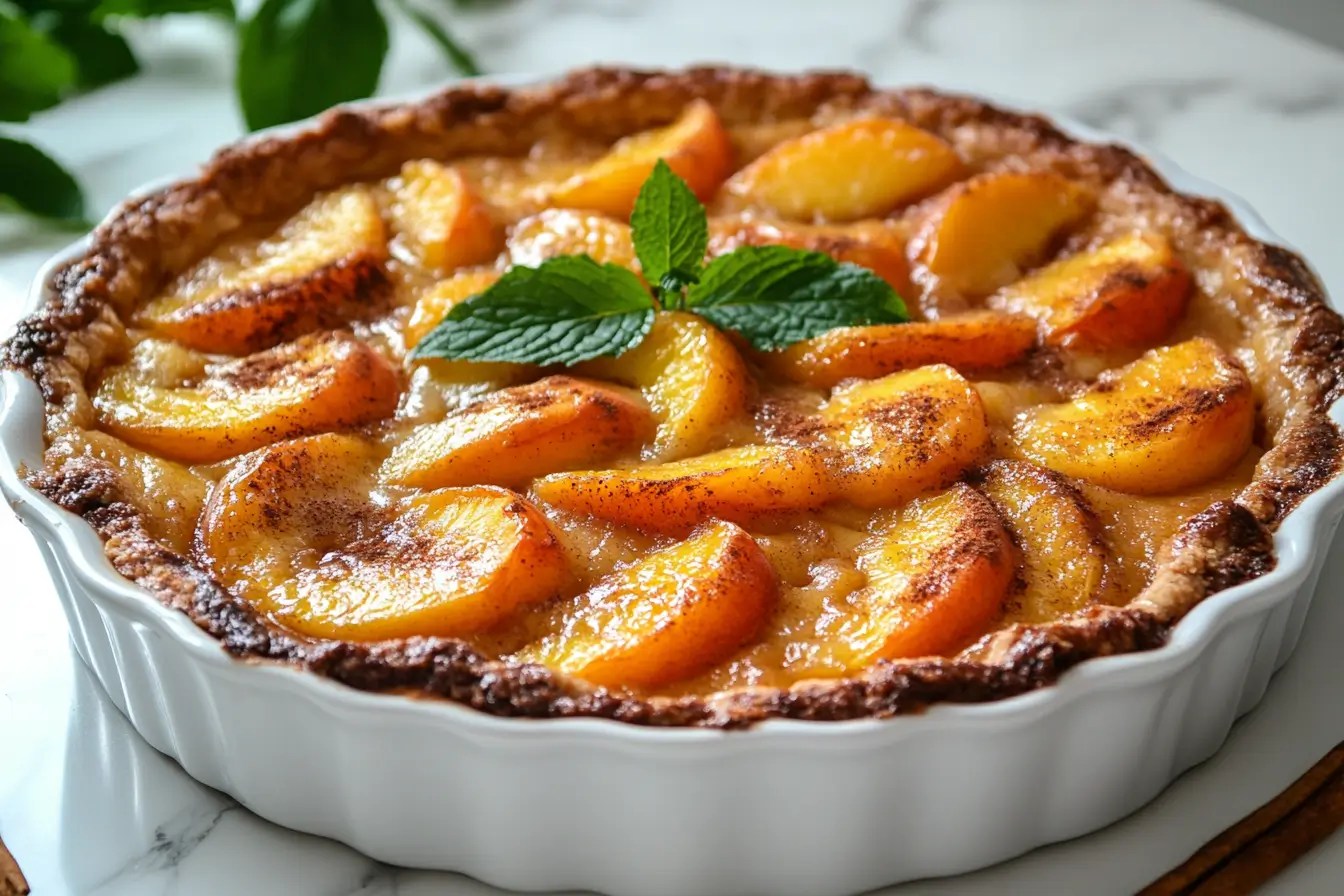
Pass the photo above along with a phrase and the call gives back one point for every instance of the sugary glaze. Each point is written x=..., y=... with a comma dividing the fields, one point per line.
x=1082, y=385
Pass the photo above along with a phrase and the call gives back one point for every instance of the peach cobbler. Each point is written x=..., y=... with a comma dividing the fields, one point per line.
x=684, y=398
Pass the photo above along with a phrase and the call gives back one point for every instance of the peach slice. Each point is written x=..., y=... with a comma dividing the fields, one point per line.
x=870, y=246
x=904, y=434
x=558, y=423
x=668, y=616
x=1176, y=417
x=323, y=267
x=560, y=231
x=691, y=375
x=292, y=528
x=974, y=341
x=168, y=495
x=1066, y=562
x=695, y=146
x=985, y=231
x=736, y=484
x=857, y=169
x=939, y=572
x=315, y=384
x=439, y=218
x=1127, y=293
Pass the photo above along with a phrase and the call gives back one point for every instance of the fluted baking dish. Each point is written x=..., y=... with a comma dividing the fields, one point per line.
x=783, y=807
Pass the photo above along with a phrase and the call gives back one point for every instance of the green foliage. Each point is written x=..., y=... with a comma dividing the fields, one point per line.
x=298, y=57
x=295, y=59
x=31, y=181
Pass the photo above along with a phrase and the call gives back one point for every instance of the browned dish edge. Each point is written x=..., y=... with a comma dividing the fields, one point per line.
x=154, y=237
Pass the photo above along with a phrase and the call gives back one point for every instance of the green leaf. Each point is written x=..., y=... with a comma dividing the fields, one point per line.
x=148, y=9
x=458, y=56
x=566, y=310
x=32, y=181
x=299, y=57
x=101, y=56
x=35, y=72
x=671, y=232
x=776, y=296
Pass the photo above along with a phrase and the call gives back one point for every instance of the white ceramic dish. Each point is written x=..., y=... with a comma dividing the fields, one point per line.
x=783, y=808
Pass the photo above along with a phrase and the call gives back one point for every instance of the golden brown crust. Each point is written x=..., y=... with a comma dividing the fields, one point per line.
x=153, y=238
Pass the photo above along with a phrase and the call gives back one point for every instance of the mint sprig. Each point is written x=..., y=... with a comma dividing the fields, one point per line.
x=570, y=309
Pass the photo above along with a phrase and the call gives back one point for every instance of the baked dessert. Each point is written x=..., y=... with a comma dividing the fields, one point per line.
x=1107, y=400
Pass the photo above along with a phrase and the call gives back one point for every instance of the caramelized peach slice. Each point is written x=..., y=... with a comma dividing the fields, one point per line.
x=439, y=218
x=1127, y=293
x=292, y=529
x=904, y=434
x=315, y=384
x=857, y=169
x=870, y=246
x=168, y=495
x=736, y=484
x=1178, y=416
x=939, y=572
x=695, y=146
x=559, y=231
x=323, y=267
x=558, y=423
x=691, y=375
x=668, y=616
x=515, y=187
x=1066, y=562
x=985, y=231
x=975, y=341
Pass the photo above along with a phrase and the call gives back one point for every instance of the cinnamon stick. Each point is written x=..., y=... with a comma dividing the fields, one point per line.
x=11, y=878
x=1265, y=842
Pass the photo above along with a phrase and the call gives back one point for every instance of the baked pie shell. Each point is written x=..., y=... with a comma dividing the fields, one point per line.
x=153, y=237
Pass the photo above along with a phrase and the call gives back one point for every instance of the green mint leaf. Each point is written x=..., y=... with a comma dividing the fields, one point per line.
x=148, y=9
x=776, y=296
x=566, y=310
x=35, y=71
x=102, y=57
x=299, y=57
x=457, y=55
x=671, y=232
x=33, y=182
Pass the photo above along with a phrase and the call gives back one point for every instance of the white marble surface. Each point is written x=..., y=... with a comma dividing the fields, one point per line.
x=87, y=807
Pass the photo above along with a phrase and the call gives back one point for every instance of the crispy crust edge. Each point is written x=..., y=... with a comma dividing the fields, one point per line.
x=154, y=236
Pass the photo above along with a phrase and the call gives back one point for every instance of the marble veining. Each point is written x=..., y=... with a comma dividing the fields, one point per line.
x=88, y=808
x=915, y=29
x=1140, y=109
x=174, y=841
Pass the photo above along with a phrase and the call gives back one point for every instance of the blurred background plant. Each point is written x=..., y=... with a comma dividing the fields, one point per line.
x=294, y=59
